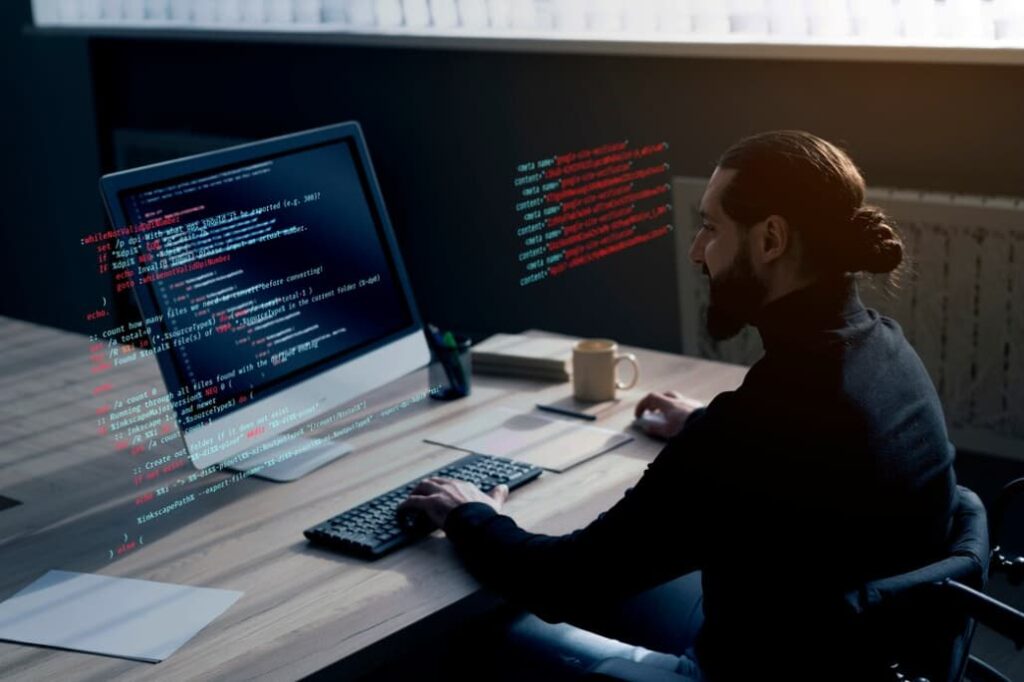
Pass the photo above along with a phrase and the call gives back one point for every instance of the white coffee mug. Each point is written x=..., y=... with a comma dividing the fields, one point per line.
x=594, y=364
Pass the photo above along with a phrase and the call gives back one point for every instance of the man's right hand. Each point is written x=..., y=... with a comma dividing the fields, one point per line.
x=674, y=407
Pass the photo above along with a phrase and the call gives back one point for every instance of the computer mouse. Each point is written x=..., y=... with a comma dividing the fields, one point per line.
x=414, y=521
x=649, y=419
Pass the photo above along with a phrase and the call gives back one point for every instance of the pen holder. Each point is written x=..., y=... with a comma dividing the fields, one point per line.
x=450, y=372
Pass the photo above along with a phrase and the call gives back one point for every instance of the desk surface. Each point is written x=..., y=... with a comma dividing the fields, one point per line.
x=303, y=608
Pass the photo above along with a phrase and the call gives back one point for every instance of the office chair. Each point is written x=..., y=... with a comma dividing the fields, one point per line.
x=923, y=621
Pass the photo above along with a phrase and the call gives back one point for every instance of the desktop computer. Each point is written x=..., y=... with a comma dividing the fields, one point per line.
x=271, y=288
x=272, y=292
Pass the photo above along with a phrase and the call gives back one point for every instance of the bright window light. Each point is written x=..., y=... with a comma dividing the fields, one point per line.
x=952, y=23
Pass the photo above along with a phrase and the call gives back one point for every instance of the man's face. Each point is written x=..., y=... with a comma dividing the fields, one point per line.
x=722, y=250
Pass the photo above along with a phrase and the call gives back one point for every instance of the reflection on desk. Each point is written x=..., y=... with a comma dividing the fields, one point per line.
x=303, y=609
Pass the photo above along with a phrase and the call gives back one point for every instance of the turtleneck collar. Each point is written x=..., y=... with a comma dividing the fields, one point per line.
x=820, y=312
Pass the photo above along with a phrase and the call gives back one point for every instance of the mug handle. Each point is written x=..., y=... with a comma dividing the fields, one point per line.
x=629, y=357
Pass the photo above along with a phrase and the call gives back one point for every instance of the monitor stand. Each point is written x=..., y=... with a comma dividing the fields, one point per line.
x=293, y=467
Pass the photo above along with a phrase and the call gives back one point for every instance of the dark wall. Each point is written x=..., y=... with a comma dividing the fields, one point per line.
x=49, y=172
x=446, y=129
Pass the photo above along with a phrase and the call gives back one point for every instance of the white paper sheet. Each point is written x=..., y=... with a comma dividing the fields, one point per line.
x=554, y=444
x=123, y=617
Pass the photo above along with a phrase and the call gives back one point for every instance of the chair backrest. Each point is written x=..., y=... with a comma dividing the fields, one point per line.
x=910, y=617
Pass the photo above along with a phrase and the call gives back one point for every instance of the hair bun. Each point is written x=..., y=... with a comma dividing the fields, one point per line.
x=874, y=244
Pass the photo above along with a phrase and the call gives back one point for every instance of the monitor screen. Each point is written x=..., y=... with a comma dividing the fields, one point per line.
x=257, y=274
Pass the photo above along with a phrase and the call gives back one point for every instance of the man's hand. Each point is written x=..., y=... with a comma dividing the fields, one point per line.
x=674, y=407
x=437, y=497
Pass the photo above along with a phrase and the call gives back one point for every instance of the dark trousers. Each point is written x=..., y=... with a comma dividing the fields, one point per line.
x=657, y=627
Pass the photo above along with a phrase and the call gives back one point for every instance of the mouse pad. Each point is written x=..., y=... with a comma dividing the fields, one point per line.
x=551, y=443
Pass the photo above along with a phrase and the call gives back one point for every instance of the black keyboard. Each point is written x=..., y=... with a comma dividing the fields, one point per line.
x=371, y=529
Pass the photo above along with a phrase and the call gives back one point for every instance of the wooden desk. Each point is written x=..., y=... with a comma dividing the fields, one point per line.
x=303, y=608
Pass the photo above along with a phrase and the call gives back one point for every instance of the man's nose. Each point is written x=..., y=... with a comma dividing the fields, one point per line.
x=697, y=251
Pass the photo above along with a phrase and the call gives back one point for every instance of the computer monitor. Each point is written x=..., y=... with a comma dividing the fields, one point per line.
x=272, y=289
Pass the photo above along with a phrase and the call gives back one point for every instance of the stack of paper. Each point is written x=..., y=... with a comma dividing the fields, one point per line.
x=524, y=356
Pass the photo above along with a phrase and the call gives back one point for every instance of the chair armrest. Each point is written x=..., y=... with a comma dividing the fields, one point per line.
x=1002, y=618
x=625, y=670
x=889, y=592
x=980, y=671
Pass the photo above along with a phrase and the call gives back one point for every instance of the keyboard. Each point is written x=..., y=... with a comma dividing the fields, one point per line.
x=371, y=530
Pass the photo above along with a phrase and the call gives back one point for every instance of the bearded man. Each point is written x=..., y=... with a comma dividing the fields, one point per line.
x=828, y=467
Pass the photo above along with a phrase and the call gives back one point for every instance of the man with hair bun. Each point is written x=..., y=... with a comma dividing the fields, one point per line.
x=830, y=466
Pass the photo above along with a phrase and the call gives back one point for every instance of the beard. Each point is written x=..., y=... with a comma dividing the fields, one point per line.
x=736, y=295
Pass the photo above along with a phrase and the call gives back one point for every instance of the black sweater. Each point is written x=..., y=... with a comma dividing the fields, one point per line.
x=829, y=466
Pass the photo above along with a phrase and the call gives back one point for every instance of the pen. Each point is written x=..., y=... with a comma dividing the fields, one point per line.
x=567, y=413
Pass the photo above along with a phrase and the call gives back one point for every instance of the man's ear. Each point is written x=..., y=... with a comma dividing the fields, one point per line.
x=773, y=239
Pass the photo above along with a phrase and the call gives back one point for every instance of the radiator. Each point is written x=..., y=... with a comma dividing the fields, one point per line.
x=960, y=303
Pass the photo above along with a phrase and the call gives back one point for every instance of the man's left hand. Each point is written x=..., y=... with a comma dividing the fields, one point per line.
x=437, y=497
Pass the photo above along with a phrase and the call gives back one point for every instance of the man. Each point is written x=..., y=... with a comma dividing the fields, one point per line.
x=828, y=467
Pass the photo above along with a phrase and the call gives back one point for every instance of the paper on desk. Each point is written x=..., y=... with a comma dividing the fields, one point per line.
x=123, y=617
x=553, y=444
